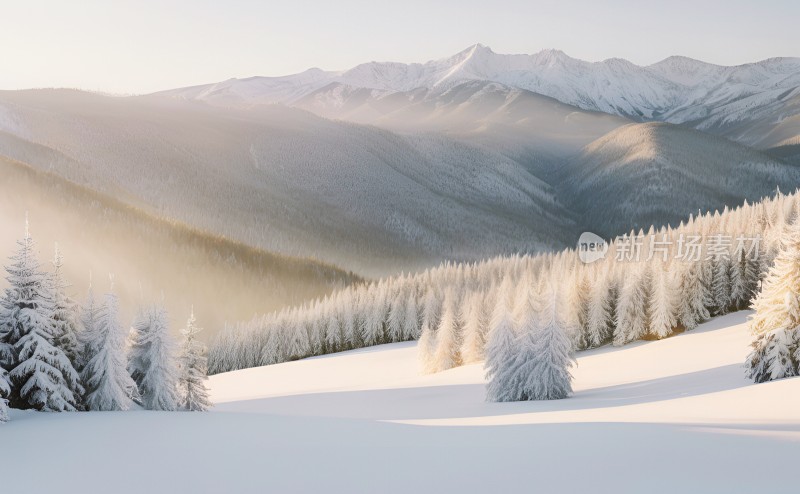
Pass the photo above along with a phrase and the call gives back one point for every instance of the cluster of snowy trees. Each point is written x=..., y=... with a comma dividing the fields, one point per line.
x=776, y=322
x=456, y=308
x=55, y=356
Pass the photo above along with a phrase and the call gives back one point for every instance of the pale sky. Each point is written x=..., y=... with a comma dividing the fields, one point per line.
x=123, y=46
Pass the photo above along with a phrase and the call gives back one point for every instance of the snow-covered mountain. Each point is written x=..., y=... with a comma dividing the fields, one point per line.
x=746, y=102
x=657, y=173
x=284, y=180
x=149, y=255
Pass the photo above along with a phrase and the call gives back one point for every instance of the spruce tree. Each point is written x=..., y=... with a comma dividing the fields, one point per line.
x=663, y=310
x=194, y=372
x=501, y=350
x=5, y=390
x=64, y=315
x=598, y=312
x=41, y=375
x=153, y=361
x=473, y=346
x=544, y=356
x=448, y=338
x=695, y=297
x=109, y=385
x=632, y=323
x=776, y=322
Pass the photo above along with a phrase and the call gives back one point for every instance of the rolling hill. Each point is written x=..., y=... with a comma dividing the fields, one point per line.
x=284, y=180
x=150, y=257
x=657, y=173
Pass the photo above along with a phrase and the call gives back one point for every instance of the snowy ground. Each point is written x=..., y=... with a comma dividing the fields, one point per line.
x=668, y=416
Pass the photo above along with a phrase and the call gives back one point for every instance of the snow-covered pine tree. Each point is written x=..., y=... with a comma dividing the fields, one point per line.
x=571, y=308
x=333, y=330
x=774, y=356
x=40, y=374
x=448, y=339
x=744, y=277
x=426, y=348
x=349, y=327
x=108, y=383
x=194, y=371
x=776, y=322
x=598, y=311
x=695, y=297
x=411, y=326
x=721, y=286
x=5, y=390
x=501, y=349
x=472, y=321
x=631, y=323
x=663, y=309
x=373, y=317
x=545, y=354
x=153, y=361
x=88, y=336
x=395, y=318
x=64, y=315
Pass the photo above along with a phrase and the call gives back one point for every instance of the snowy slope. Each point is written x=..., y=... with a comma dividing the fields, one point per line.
x=668, y=416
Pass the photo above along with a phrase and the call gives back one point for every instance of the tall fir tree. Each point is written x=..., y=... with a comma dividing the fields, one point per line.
x=108, y=383
x=545, y=354
x=632, y=323
x=5, y=390
x=664, y=303
x=473, y=324
x=598, y=312
x=194, y=370
x=695, y=296
x=501, y=349
x=776, y=321
x=153, y=363
x=448, y=336
x=65, y=315
x=41, y=375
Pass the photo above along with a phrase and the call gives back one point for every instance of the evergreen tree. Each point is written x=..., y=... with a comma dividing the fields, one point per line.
x=110, y=387
x=153, y=360
x=632, y=306
x=776, y=322
x=663, y=303
x=501, y=350
x=544, y=356
x=411, y=326
x=88, y=336
x=194, y=374
x=598, y=313
x=41, y=375
x=395, y=319
x=333, y=331
x=721, y=287
x=448, y=342
x=695, y=297
x=5, y=390
x=473, y=324
x=64, y=315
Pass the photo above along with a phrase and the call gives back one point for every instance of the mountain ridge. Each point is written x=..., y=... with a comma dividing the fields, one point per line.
x=714, y=98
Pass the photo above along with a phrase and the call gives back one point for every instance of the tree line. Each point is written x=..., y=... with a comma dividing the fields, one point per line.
x=456, y=309
x=56, y=356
